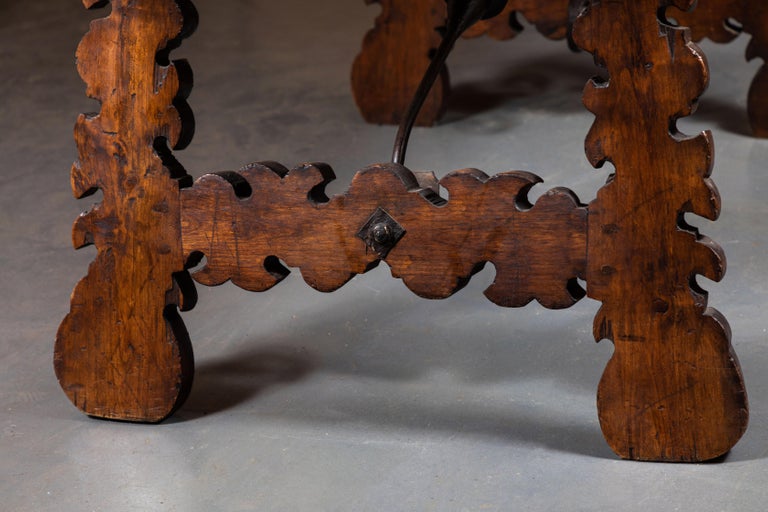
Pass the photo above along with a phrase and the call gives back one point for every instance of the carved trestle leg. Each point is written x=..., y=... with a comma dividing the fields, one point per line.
x=396, y=52
x=122, y=351
x=673, y=389
x=387, y=72
x=389, y=66
x=245, y=222
x=722, y=21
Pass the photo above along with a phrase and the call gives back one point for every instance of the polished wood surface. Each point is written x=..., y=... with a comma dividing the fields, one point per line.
x=387, y=56
x=538, y=250
x=673, y=389
x=722, y=21
x=122, y=351
x=387, y=73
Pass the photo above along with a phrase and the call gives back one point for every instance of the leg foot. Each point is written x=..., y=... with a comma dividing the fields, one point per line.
x=388, y=70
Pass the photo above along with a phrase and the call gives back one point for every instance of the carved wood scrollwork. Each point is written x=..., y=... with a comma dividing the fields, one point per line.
x=395, y=54
x=243, y=222
x=552, y=18
x=397, y=50
x=673, y=389
x=122, y=351
x=722, y=21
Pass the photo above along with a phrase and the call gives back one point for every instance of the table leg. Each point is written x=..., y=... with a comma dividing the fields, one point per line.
x=396, y=52
x=122, y=352
x=673, y=389
x=387, y=72
x=722, y=21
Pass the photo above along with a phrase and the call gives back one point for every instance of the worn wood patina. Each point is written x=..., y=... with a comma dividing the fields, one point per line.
x=672, y=391
x=395, y=53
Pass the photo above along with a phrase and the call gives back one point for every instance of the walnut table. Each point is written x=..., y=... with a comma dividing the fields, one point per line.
x=672, y=391
x=395, y=52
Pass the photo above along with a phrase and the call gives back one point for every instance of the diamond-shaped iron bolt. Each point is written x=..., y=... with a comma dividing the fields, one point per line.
x=381, y=232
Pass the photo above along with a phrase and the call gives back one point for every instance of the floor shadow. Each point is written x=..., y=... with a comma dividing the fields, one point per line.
x=227, y=382
x=386, y=344
x=553, y=83
x=374, y=353
x=506, y=423
x=727, y=115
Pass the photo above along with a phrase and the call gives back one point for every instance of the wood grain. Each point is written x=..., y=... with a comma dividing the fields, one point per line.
x=122, y=351
x=673, y=389
x=393, y=58
x=395, y=54
x=722, y=21
x=244, y=222
x=552, y=18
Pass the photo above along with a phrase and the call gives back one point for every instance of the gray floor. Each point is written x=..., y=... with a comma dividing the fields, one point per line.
x=368, y=398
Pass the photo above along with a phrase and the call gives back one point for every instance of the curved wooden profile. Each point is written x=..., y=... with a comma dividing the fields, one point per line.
x=245, y=222
x=394, y=55
x=122, y=351
x=551, y=18
x=722, y=21
x=673, y=389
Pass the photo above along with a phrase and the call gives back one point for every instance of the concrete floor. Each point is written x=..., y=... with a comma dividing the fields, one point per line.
x=367, y=399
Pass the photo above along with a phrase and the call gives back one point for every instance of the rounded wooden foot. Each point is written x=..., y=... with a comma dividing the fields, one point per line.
x=395, y=54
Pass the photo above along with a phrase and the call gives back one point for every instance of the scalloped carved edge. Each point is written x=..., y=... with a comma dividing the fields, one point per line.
x=722, y=21
x=393, y=58
x=552, y=19
x=245, y=222
x=673, y=390
x=122, y=352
